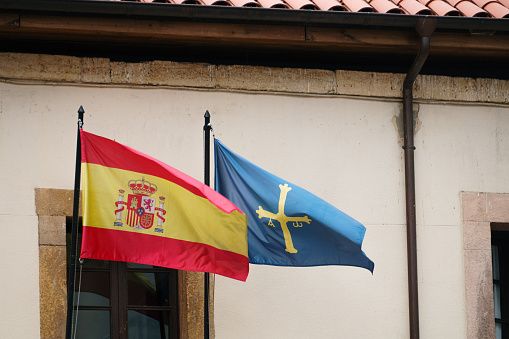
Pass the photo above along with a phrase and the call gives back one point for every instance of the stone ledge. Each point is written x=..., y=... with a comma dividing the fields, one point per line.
x=289, y=80
x=40, y=67
x=426, y=87
x=102, y=71
x=370, y=84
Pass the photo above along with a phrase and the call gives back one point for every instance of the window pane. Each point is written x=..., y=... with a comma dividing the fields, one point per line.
x=148, y=289
x=495, y=262
x=148, y=324
x=505, y=330
x=498, y=331
x=93, y=324
x=95, y=289
x=136, y=265
x=95, y=264
x=500, y=261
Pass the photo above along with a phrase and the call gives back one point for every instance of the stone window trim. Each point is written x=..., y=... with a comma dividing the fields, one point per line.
x=52, y=208
x=480, y=212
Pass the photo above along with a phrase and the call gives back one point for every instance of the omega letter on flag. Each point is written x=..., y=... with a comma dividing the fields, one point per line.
x=138, y=209
x=287, y=225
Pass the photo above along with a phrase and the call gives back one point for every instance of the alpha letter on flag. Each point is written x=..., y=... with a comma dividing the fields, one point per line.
x=287, y=225
x=138, y=209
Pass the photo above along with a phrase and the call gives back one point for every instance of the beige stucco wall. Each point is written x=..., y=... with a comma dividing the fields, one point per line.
x=333, y=133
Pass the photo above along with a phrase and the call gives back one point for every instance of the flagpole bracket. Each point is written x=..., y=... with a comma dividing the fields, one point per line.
x=209, y=127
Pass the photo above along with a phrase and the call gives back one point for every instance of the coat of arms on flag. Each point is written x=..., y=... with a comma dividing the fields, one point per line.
x=141, y=207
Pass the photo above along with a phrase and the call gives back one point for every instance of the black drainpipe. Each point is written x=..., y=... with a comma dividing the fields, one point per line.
x=425, y=27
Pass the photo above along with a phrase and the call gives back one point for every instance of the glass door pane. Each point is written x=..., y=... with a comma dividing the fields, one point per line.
x=148, y=324
x=93, y=324
x=94, y=287
x=147, y=288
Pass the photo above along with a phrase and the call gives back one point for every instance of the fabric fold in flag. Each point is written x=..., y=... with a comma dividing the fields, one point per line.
x=287, y=225
x=138, y=209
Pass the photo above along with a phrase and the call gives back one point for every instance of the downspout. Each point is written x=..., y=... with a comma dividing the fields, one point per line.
x=425, y=27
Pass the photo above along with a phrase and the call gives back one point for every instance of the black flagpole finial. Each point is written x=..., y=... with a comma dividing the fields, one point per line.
x=80, y=116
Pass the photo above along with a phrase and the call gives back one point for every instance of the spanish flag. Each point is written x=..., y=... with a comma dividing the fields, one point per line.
x=138, y=209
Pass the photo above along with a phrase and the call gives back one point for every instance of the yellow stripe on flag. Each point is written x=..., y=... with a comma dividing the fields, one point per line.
x=188, y=217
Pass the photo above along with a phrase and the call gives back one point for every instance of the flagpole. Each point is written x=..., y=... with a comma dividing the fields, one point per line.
x=206, y=297
x=74, y=232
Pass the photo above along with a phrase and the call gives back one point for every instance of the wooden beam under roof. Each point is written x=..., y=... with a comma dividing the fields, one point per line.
x=238, y=35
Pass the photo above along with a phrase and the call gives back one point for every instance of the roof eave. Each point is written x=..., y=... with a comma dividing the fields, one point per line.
x=250, y=15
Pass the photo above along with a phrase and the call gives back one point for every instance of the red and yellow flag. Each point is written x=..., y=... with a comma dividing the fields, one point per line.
x=138, y=209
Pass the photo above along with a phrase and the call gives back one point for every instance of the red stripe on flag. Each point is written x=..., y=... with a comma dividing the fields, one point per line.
x=105, y=244
x=102, y=151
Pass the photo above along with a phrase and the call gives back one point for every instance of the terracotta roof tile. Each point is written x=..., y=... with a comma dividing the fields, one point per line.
x=272, y=4
x=414, y=7
x=442, y=8
x=358, y=6
x=453, y=2
x=467, y=8
x=497, y=10
x=330, y=5
x=245, y=3
x=186, y=2
x=385, y=6
x=481, y=3
x=216, y=2
x=301, y=4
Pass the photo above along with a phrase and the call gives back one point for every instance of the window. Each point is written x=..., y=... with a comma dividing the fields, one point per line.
x=500, y=260
x=53, y=207
x=486, y=223
x=125, y=300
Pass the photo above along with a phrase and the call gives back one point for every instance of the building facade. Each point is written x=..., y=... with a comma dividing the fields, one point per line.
x=337, y=138
x=337, y=132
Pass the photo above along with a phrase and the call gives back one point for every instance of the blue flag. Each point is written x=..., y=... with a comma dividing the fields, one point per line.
x=287, y=225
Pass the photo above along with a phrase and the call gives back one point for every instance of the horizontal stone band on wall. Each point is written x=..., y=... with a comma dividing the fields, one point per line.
x=102, y=71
